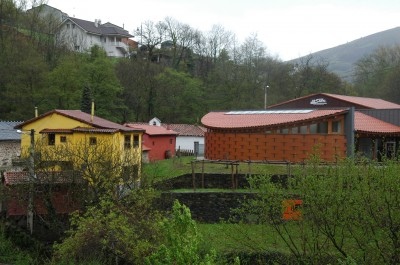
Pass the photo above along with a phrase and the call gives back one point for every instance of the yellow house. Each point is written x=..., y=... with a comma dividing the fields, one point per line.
x=57, y=129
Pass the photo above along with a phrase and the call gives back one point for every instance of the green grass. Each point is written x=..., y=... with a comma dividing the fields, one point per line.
x=231, y=238
x=171, y=168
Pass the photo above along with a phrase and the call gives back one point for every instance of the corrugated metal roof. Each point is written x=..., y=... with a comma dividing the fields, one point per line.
x=7, y=131
x=367, y=124
x=223, y=120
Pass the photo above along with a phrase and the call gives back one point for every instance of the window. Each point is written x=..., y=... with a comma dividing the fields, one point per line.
x=285, y=131
x=51, y=138
x=63, y=139
x=136, y=141
x=127, y=143
x=68, y=25
x=321, y=127
x=73, y=26
x=92, y=140
x=170, y=141
x=295, y=130
x=77, y=47
x=303, y=129
x=336, y=126
x=313, y=128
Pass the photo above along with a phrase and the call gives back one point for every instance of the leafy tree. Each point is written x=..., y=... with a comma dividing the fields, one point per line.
x=350, y=211
x=180, y=241
x=111, y=231
x=178, y=97
x=86, y=103
x=139, y=88
x=375, y=74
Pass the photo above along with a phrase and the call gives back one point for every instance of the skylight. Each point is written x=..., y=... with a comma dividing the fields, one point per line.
x=293, y=111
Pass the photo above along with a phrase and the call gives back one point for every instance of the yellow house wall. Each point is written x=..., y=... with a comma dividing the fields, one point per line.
x=52, y=121
x=57, y=121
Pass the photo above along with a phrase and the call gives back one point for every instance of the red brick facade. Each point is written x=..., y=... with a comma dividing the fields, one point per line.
x=258, y=146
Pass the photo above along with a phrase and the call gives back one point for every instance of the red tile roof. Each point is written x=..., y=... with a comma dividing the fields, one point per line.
x=55, y=177
x=224, y=120
x=367, y=124
x=186, y=129
x=84, y=117
x=368, y=103
x=152, y=129
x=373, y=103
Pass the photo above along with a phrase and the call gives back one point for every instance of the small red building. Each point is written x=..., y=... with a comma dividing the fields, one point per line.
x=159, y=141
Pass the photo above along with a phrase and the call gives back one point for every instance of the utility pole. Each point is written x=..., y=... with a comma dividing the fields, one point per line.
x=29, y=217
x=265, y=96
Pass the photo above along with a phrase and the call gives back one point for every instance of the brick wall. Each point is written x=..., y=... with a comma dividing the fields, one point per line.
x=289, y=147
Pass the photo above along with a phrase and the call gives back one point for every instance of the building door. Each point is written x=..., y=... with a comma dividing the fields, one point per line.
x=390, y=149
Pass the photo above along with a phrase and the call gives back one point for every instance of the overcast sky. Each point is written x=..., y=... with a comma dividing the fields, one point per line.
x=288, y=28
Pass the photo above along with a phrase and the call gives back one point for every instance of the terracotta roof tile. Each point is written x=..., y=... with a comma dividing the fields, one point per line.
x=368, y=103
x=367, y=124
x=225, y=120
x=152, y=129
x=56, y=177
x=85, y=118
x=186, y=129
x=374, y=103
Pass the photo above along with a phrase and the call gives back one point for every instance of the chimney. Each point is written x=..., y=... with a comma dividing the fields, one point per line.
x=36, y=112
x=92, y=112
x=96, y=23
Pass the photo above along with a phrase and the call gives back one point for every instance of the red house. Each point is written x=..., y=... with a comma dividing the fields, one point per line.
x=159, y=142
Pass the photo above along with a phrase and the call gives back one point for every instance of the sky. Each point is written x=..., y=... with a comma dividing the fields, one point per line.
x=287, y=28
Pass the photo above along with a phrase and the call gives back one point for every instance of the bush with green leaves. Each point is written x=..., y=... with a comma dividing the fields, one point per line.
x=350, y=211
x=180, y=241
x=125, y=230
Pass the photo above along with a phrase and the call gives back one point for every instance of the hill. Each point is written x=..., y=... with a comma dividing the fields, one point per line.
x=341, y=58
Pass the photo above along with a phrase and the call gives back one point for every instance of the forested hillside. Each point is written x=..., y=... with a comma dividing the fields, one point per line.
x=178, y=74
x=342, y=58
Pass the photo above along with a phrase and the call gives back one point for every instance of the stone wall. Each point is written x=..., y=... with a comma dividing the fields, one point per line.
x=211, y=181
x=206, y=207
x=9, y=150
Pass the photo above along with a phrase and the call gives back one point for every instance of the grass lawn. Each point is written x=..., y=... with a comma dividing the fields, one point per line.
x=231, y=238
x=170, y=168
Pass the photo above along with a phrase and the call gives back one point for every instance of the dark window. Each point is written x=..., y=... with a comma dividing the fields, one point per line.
x=323, y=127
x=52, y=138
x=336, y=126
x=170, y=141
x=136, y=141
x=92, y=140
x=63, y=139
x=127, y=143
